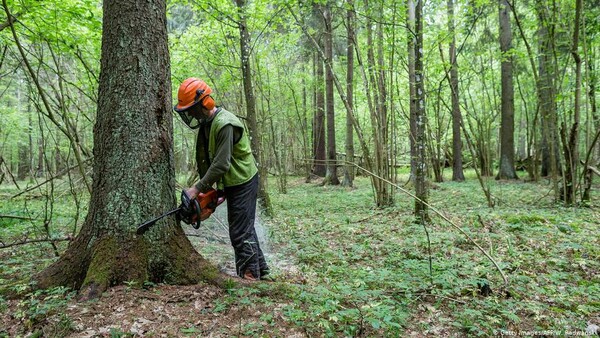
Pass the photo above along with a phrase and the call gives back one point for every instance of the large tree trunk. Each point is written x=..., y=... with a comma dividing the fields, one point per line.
x=331, y=177
x=507, y=127
x=457, y=160
x=253, y=129
x=349, y=168
x=133, y=177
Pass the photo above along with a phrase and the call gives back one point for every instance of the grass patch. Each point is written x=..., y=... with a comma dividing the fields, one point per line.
x=366, y=271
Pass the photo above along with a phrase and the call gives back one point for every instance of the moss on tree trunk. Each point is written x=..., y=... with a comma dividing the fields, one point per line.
x=134, y=176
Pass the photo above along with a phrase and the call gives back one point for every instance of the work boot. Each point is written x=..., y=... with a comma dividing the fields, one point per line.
x=249, y=276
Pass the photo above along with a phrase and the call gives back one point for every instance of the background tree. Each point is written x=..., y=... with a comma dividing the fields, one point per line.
x=251, y=116
x=319, y=126
x=551, y=164
x=349, y=171
x=421, y=190
x=410, y=24
x=457, y=159
x=571, y=139
x=331, y=176
x=507, y=126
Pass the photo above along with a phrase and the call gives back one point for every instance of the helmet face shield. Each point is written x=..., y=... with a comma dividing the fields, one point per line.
x=189, y=119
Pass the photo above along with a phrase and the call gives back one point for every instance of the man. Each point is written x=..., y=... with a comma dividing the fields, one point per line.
x=224, y=158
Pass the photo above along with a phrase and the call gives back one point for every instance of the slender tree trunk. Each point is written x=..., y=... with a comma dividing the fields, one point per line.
x=319, y=121
x=457, y=160
x=411, y=87
x=134, y=177
x=387, y=192
x=571, y=145
x=551, y=165
x=593, y=82
x=23, y=166
x=30, y=139
x=507, y=128
x=349, y=168
x=331, y=177
x=303, y=120
x=421, y=191
x=251, y=115
x=39, y=171
x=319, y=149
x=375, y=84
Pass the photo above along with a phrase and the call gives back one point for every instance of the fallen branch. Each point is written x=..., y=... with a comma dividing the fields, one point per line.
x=63, y=172
x=17, y=217
x=593, y=169
x=29, y=241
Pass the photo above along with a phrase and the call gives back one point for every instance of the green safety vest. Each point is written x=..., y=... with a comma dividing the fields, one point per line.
x=243, y=167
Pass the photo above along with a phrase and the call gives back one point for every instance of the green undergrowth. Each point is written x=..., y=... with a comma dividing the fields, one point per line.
x=42, y=219
x=358, y=270
x=368, y=269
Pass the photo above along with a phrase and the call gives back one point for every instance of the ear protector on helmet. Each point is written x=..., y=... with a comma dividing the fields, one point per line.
x=207, y=101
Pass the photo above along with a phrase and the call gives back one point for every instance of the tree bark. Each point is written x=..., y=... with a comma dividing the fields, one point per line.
x=133, y=176
x=457, y=159
x=421, y=191
x=507, y=128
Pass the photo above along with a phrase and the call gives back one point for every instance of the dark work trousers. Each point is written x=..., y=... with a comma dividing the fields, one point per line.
x=241, y=212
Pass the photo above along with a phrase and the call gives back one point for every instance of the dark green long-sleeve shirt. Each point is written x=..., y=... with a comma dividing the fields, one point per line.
x=223, y=152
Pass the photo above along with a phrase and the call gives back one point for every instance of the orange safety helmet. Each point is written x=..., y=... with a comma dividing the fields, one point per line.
x=191, y=92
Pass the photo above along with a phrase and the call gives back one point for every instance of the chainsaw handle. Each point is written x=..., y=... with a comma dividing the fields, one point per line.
x=198, y=210
x=190, y=209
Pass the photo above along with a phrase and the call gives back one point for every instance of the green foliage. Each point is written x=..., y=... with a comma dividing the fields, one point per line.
x=118, y=333
x=367, y=270
x=40, y=304
x=190, y=331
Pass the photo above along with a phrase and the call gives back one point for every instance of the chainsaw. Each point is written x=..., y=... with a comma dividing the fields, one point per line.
x=191, y=210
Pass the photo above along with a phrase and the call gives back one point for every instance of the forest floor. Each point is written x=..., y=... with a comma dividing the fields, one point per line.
x=353, y=269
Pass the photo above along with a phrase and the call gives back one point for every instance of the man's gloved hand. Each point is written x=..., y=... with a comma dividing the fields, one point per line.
x=192, y=192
